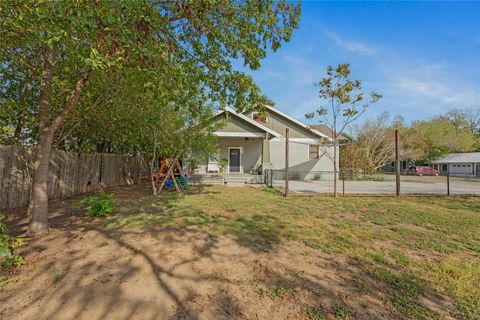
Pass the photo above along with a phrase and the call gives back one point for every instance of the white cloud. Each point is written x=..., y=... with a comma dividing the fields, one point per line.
x=275, y=75
x=351, y=46
x=412, y=84
x=437, y=86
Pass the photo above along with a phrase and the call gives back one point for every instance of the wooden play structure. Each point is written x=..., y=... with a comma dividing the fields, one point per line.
x=169, y=176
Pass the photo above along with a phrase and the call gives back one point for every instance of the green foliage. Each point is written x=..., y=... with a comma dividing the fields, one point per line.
x=421, y=142
x=278, y=292
x=99, y=205
x=343, y=99
x=426, y=141
x=223, y=164
x=378, y=257
x=343, y=102
x=8, y=247
x=317, y=176
x=161, y=58
x=340, y=312
x=413, y=309
x=314, y=314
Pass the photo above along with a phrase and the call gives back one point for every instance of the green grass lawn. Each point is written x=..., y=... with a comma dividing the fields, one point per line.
x=412, y=246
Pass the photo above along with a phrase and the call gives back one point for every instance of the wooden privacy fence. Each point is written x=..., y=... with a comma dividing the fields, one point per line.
x=70, y=173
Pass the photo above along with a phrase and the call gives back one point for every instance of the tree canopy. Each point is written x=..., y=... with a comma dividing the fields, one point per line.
x=119, y=46
x=421, y=141
x=106, y=75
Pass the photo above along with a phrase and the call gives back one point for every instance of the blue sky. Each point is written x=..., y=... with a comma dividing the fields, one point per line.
x=423, y=57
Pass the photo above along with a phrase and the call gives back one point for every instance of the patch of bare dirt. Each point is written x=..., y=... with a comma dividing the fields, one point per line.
x=79, y=271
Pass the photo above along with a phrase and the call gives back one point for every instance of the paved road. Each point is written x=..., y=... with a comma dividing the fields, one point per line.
x=409, y=185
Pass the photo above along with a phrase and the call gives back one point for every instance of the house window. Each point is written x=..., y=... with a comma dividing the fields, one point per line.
x=313, y=151
x=260, y=117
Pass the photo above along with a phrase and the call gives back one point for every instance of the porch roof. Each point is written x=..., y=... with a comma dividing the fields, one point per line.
x=240, y=134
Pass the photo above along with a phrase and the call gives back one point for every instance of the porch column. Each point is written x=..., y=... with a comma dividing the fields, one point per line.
x=265, y=153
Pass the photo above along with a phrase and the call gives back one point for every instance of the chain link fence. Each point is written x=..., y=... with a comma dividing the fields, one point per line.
x=349, y=182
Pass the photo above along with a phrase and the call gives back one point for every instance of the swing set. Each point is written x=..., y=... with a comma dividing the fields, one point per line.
x=169, y=177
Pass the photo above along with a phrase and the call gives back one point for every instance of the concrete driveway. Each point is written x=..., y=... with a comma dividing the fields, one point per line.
x=409, y=185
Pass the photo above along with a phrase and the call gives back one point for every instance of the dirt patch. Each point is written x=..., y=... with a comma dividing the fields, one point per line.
x=94, y=274
x=84, y=269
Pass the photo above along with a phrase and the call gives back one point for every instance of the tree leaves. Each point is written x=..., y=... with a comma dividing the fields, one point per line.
x=184, y=50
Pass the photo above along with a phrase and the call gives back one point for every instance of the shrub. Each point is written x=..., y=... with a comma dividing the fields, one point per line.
x=317, y=176
x=99, y=205
x=8, y=245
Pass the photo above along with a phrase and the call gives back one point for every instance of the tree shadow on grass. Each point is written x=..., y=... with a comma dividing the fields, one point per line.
x=146, y=267
x=73, y=228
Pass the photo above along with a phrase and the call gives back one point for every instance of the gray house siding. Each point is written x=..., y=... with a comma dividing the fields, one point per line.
x=234, y=124
x=299, y=158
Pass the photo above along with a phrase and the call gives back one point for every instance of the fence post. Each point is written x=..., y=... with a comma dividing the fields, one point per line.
x=397, y=160
x=286, y=162
x=448, y=182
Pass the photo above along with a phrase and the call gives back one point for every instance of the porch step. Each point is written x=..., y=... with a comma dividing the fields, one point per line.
x=233, y=179
x=206, y=179
x=250, y=179
x=221, y=179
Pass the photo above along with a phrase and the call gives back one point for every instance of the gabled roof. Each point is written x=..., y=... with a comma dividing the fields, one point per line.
x=327, y=131
x=250, y=121
x=298, y=122
x=459, y=158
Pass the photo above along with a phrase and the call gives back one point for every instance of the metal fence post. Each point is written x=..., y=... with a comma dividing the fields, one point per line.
x=286, y=162
x=343, y=182
x=397, y=161
x=448, y=183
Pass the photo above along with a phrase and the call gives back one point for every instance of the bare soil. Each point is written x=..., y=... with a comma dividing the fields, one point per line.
x=84, y=270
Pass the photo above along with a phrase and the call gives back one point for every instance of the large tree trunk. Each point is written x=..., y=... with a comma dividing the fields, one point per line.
x=38, y=205
x=152, y=163
x=335, y=169
x=19, y=128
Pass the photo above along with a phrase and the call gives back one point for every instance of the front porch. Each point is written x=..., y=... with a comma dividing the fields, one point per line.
x=238, y=155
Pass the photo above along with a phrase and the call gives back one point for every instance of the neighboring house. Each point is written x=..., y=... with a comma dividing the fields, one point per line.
x=251, y=142
x=463, y=164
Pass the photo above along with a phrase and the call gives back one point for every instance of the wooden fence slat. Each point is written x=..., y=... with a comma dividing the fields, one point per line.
x=70, y=173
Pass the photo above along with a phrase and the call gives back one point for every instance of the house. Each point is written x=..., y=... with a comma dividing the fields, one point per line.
x=462, y=164
x=251, y=142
